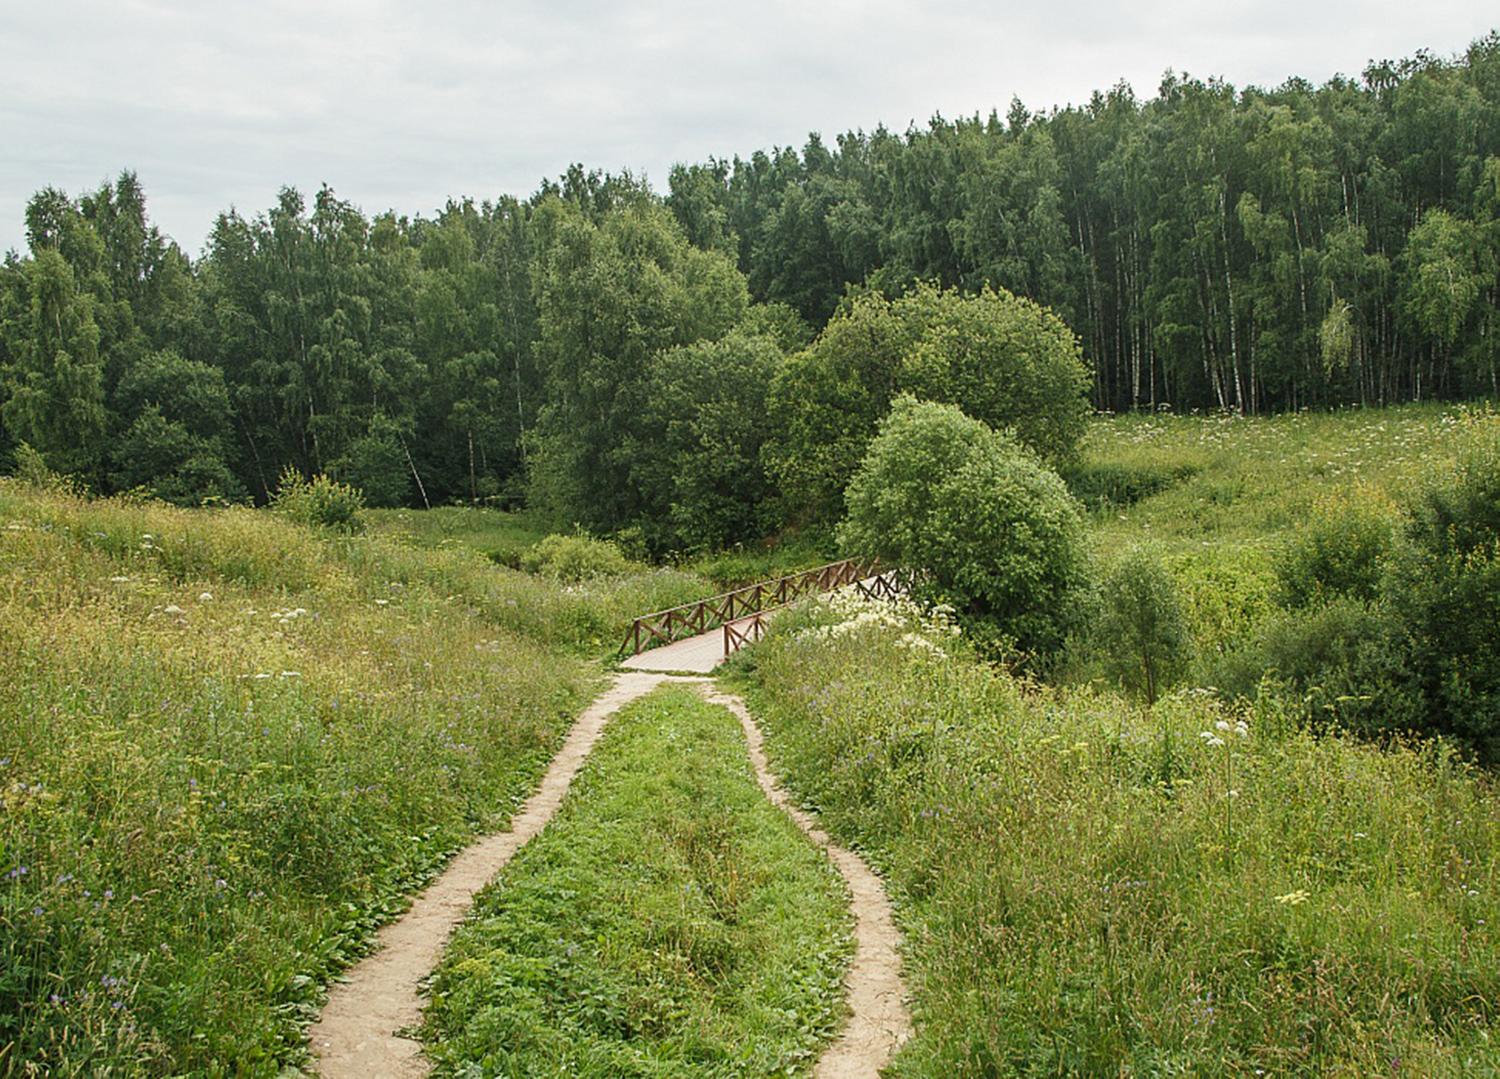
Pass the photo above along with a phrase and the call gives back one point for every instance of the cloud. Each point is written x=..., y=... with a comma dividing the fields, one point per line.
x=404, y=105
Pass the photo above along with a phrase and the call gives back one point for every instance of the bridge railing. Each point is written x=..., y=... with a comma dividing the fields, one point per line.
x=707, y=615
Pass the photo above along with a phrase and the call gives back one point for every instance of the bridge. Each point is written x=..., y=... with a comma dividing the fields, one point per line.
x=697, y=637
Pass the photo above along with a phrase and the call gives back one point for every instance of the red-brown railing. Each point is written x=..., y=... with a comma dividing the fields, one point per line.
x=884, y=585
x=694, y=619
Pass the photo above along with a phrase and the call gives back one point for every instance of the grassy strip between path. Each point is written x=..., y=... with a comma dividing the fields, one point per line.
x=1088, y=888
x=230, y=747
x=669, y=922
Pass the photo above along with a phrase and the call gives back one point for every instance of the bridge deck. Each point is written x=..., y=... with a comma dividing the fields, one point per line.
x=700, y=654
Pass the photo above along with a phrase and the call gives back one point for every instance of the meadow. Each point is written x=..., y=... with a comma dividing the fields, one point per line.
x=1219, y=497
x=1209, y=885
x=1087, y=886
x=229, y=747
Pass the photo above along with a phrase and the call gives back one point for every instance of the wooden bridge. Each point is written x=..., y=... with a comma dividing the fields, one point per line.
x=699, y=636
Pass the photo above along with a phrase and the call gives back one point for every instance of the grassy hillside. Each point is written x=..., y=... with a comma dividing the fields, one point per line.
x=1229, y=480
x=1219, y=497
x=227, y=747
x=1090, y=887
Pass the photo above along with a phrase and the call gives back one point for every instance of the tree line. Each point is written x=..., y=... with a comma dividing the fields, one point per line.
x=711, y=363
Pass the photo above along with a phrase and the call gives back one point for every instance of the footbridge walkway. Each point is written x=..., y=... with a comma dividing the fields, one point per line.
x=697, y=637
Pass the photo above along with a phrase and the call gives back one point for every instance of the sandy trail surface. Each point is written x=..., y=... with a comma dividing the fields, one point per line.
x=362, y=1033
x=879, y=1020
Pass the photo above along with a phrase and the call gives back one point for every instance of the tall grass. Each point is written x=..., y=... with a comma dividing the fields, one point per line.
x=1220, y=496
x=228, y=748
x=1087, y=887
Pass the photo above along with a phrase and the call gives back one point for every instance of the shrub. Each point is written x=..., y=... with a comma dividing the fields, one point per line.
x=1335, y=663
x=993, y=529
x=1340, y=552
x=1443, y=596
x=319, y=502
x=1142, y=631
x=575, y=558
x=376, y=464
x=32, y=470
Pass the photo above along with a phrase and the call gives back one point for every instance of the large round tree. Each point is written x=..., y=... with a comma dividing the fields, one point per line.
x=1001, y=358
x=989, y=526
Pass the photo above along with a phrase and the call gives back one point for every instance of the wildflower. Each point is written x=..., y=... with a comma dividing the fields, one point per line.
x=205, y=597
x=1210, y=738
x=1242, y=729
x=1222, y=725
x=17, y=873
x=172, y=608
x=1292, y=899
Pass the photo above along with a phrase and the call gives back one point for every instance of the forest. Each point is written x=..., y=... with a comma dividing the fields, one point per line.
x=671, y=365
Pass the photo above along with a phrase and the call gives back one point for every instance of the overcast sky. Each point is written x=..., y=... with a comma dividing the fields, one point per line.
x=403, y=104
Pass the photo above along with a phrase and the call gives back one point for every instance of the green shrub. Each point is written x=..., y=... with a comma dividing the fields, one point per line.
x=375, y=464
x=575, y=558
x=1341, y=551
x=1002, y=359
x=1142, y=630
x=1103, y=485
x=1336, y=663
x=31, y=469
x=1443, y=595
x=993, y=530
x=319, y=502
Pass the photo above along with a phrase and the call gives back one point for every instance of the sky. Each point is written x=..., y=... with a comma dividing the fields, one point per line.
x=402, y=105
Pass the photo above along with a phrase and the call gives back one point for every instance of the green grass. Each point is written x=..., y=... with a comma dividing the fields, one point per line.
x=1225, y=480
x=229, y=747
x=669, y=922
x=754, y=562
x=1218, y=496
x=499, y=535
x=1086, y=887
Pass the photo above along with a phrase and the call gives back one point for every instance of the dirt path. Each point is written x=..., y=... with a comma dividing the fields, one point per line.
x=359, y=1034
x=879, y=1022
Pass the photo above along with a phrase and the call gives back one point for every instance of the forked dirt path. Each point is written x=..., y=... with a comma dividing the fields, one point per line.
x=358, y=1036
x=360, y=1033
x=879, y=1021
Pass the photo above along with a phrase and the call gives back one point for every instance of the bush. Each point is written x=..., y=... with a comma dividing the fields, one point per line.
x=376, y=465
x=1340, y=552
x=1443, y=596
x=1337, y=663
x=319, y=502
x=993, y=530
x=32, y=470
x=1142, y=631
x=575, y=558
